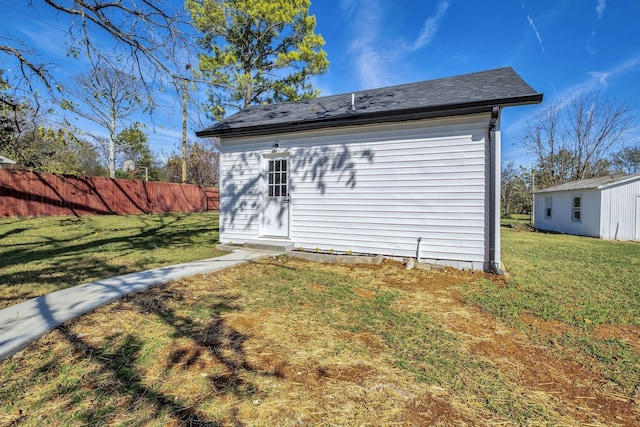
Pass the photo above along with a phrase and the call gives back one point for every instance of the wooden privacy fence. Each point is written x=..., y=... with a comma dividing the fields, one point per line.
x=42, y=194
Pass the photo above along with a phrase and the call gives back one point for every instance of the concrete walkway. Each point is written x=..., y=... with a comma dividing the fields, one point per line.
x=23, y=323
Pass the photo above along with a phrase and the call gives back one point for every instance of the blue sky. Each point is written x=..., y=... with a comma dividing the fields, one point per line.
x=560, y=47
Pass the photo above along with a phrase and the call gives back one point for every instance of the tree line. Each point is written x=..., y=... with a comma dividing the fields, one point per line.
x=247, y=53
x=29, y=140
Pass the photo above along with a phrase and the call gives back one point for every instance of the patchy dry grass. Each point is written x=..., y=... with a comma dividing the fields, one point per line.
x=576, y=293
x=289, y=342
x=43, y=255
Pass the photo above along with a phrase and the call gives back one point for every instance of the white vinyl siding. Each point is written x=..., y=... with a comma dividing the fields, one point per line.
x=563, y=216
x=240, y=176
x=619, y=212
x=372, y=189
x=375, y=194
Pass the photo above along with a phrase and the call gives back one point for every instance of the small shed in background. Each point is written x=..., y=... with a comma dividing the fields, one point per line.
x=606, y=207
x=5, y=161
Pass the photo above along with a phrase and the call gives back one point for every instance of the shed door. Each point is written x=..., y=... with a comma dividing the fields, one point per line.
x=275, y=212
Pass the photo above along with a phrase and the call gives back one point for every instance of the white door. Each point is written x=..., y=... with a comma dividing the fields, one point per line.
x=275, y=212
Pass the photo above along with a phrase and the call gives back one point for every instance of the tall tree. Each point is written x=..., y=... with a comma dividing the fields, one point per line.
x=543, y=138
x=132, y=144
x=184, y=132
x=260, y=51
x=108, y=97
x=90, y=162
x=25, y=138
x=508, y=176
x=627, y=160
x=573, y=141
x=202, y=163
x=515, y=190
x=595, y=125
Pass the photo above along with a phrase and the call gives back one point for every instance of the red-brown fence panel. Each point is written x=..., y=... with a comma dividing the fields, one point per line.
x=41, y=194
x=213, y=199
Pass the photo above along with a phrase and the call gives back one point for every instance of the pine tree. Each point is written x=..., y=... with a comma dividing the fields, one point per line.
x=259, y=51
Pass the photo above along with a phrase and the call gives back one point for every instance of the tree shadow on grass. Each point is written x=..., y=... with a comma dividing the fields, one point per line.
x=24, y=285
x=163, y=234
x=216, y=338
x=118, y=356
x=56, y=262
x=119, y=363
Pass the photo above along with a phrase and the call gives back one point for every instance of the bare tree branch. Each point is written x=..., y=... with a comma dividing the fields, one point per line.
x=572, y=141
x=153, y=33
x=152, y=20
x=26, y=65
x=108, y=98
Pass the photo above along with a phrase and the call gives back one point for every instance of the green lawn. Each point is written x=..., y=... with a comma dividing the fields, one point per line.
x=586, y=284
x=578, y=280
x=516, y=219
x=42, y=255
x=290, y=342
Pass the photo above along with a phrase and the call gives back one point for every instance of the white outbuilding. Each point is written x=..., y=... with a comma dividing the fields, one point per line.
x=406, y=171
x=606, y=207
x=6, y=161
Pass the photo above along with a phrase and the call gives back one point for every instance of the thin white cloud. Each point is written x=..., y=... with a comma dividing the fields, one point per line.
x=51, y=45
x=601, y=78
x=597, y=81
x=602, y=5
x=368, y=57
x=590, y=50
x=372, y=68
x=348, y=5
x=535, y=30
x=373, y=52
x=431, y=26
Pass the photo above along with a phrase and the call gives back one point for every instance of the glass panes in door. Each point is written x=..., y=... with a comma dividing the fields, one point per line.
x=277, y=182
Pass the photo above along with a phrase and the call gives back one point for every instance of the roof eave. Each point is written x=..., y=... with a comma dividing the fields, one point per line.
x=559, y=187
x=6, y=161
x=373, y=118
x=555, y=190
x=626, y=180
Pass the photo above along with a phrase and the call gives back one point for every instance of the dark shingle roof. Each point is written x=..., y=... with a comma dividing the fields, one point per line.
x=465, y=94
x=599, y=182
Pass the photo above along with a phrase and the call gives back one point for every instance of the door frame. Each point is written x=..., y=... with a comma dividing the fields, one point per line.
x=264, y=180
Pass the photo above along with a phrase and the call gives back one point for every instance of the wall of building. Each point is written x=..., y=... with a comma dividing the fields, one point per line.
x=620, y=215
x=370, y=189
x=561, y=219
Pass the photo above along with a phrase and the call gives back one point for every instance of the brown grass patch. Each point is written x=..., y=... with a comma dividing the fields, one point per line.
x=626, y=333
x=289, y=342
x=546, y=327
